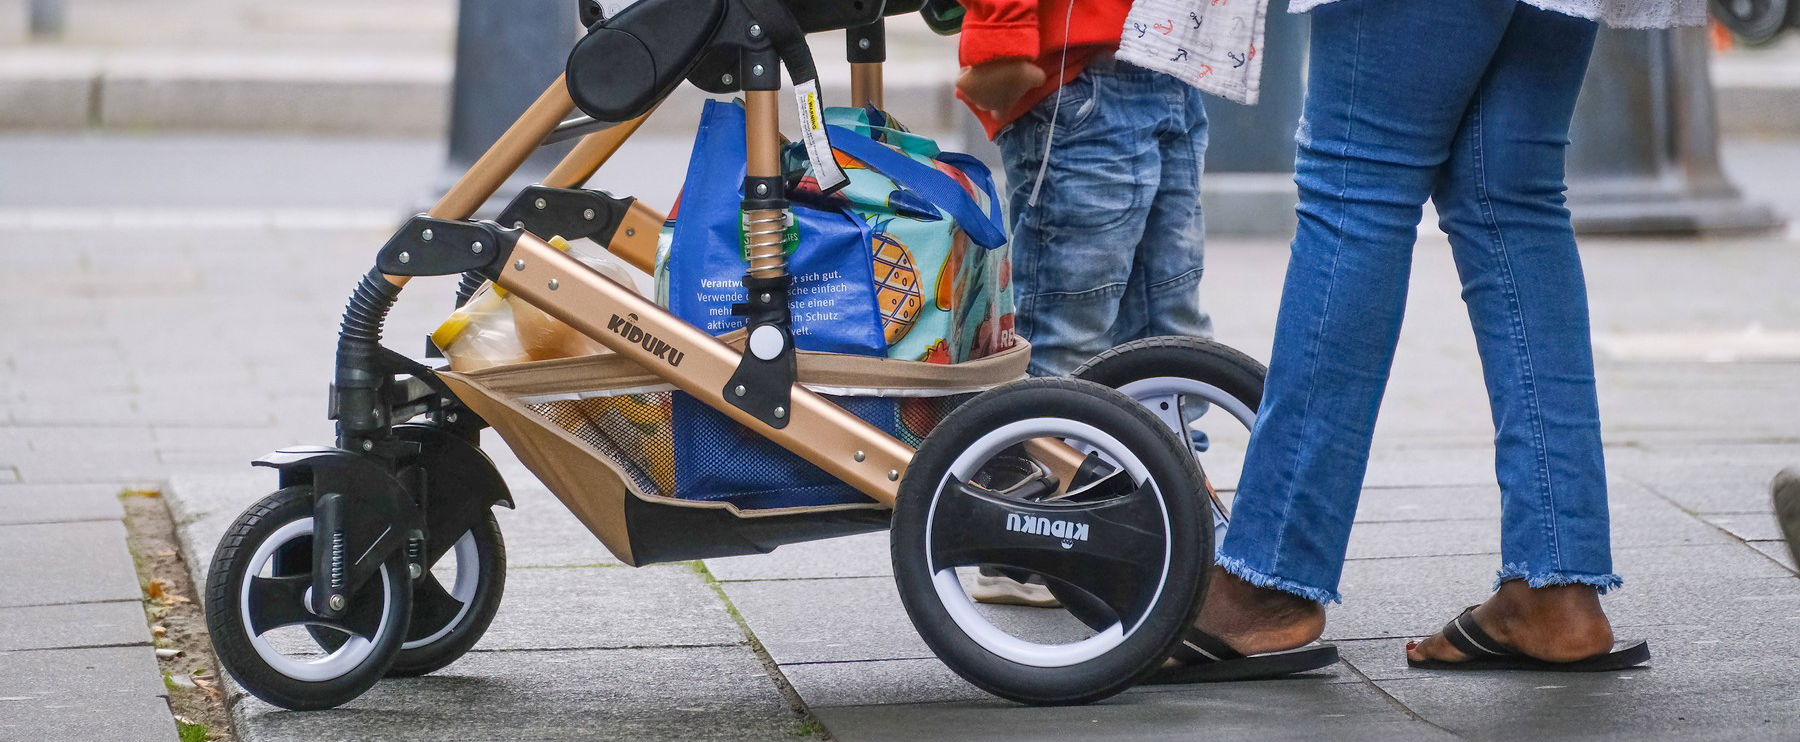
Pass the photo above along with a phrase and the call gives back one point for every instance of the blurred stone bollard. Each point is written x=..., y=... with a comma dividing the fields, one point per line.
x=1249, y=185
x=1644, y=153
x=506, y=54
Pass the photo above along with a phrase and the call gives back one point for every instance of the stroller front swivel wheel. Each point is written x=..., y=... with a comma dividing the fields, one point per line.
x=1127, y=532
x=263, y=626
x=453, y=602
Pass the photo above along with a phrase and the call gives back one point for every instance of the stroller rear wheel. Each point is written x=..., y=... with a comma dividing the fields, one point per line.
x=1129, y=535
x=259, y=611
x=1207, y=393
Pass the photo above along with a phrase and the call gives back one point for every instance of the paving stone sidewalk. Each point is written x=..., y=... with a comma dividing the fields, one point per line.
x=173, y=354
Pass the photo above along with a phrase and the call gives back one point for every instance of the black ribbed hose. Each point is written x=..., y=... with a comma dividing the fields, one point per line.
x=361, y=411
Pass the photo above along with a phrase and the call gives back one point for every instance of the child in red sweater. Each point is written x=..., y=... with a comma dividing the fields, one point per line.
x=1103, y=163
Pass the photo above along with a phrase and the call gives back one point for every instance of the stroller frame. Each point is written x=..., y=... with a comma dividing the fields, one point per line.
x=407, y=477
x=817, y=430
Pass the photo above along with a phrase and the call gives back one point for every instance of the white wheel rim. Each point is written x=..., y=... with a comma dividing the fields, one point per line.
x=468, y=577
x=961, y=608
x=331, y=666
x=1150, y=392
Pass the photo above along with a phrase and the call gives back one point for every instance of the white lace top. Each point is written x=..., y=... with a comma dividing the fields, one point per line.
x=1615, y=13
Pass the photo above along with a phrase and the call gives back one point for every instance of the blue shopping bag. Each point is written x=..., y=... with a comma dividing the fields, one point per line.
x=835, y=302
x=834, y=287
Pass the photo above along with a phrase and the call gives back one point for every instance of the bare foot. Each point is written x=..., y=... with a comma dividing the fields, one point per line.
x=1254, y=620
x=1563, y=623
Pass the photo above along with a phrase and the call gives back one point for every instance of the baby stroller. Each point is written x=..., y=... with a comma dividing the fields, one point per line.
x=1088, y=485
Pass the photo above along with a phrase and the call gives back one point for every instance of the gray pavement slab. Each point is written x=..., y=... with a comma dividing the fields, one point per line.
x=1293, y=709
x=862, y=555
x=1709, y=477
x=1410, y=504
x=693, y=693
x=609, y=607
x=105, y=694
x=876, y=682
x=1654, y=703
x=1746, y=526
x=45, y=503
x=830, y=620
x=52, y=563
x=115, y=623
x=1778, y=551
x=541, y=532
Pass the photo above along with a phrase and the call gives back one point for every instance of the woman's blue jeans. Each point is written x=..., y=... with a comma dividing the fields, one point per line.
x=1466, y=103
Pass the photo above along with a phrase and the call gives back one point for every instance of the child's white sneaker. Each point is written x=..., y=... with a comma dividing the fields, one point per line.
x=1002, y=590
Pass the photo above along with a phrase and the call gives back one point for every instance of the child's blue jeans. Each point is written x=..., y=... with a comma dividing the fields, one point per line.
x=1468, y=104
x=1112, y=251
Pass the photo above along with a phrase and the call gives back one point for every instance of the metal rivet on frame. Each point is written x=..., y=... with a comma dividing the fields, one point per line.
x=540, y=204
x=862, y=43
x=405, y=257
x=587, y=214
x=739, y=390
x=757, y=70
x=756, y=31
x=426, y=235
x=726, y=79
x=860, y=456
x=553, y=284
x=631, y=231
x=780, y=412
x=893, y=475
x=519, y=264
x=476, y=248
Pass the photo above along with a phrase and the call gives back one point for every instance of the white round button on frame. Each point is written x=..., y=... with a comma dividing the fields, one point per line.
x=766, y=342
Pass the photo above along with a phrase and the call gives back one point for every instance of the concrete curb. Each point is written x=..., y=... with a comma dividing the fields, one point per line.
x=384, y=96
x=400, y=96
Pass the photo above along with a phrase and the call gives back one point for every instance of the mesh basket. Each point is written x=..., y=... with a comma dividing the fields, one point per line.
x=598, y=430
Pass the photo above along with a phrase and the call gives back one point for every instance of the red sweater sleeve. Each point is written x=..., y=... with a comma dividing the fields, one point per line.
x=999, y=29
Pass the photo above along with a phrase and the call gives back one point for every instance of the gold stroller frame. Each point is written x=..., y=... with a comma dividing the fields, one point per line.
x=1064, y=479
x=819, y=431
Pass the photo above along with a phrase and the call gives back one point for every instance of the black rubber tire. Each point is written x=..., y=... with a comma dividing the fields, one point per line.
x=490, y=585
x=1231, y=371
x=225, y=621
x=1178, y=478
x=1766, y=23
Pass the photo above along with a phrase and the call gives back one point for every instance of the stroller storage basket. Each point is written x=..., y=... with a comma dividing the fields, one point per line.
x=602, y=434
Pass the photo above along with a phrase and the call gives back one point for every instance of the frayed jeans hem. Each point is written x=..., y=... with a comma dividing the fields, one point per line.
x=1604, y=583
x=1264, y=580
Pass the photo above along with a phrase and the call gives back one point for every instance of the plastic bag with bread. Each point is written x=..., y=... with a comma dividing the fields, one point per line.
x=503, y=328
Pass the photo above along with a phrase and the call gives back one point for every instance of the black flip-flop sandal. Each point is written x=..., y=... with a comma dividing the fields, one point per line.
x=1204, y=658
x=1487, y=653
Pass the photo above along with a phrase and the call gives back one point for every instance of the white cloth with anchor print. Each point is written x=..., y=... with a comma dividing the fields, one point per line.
x=1214, y=45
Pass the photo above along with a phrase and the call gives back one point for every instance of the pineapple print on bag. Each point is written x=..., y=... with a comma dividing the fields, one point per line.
x=896, y=285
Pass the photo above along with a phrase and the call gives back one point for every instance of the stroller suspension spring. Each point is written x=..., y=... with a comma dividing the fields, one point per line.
x=337, y=563
x=766, y=241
